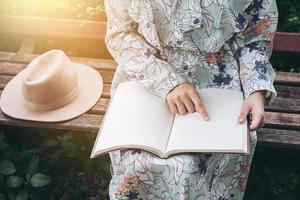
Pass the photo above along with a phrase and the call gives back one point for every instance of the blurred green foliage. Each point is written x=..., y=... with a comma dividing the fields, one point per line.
x=48, y=164
x=289, y=14
x=20, y=173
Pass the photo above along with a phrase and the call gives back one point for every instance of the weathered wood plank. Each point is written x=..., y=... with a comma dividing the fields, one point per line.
x=12, y=68
x=274, y=120
x=100, y=107
x=85, y=123
x=288, y=121
x=103, y=64
x=278, y=138
x=107, y=77
x=91, y=123
x=4, y=80
x=285, y=78
x=281, y=77
x=9, y=68
x=42, y=26
x=6, y=56
x=287, y=42
x=106, y=91
x=284, y=91
x=287, y=105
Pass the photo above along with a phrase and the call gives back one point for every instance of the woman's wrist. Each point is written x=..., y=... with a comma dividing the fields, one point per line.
x=257, y=99
x=261, y=94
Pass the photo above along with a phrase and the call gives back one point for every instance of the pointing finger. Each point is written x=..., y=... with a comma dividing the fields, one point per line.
x=199, y=106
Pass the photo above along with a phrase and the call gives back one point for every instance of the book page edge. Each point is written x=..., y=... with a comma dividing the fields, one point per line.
x=94, y=152
x=130, y=146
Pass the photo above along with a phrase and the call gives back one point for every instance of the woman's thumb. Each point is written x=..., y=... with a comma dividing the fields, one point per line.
x=244, y=112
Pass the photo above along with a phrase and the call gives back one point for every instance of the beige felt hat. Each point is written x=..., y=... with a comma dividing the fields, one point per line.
x=51, y=88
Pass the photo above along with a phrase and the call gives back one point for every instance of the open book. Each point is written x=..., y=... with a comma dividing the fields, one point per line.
x=135, y=118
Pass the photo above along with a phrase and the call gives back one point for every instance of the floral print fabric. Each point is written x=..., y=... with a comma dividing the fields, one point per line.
x=209, y=43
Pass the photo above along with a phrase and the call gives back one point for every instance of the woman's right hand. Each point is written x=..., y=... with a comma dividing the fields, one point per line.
x=184, y=98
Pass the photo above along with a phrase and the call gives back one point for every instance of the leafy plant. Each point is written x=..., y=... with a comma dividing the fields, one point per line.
x=73, y=149
x=65, y=156
x=19, y=172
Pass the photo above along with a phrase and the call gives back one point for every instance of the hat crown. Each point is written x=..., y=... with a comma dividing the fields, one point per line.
x=50, y=81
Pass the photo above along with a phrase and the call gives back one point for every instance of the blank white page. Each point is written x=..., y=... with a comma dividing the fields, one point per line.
x=135, y=117
x=222, y=133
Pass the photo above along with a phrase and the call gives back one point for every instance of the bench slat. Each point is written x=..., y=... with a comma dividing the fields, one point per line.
x=91, y=123
x=287, y=42
x=85, y=123
x=284, y=91
x=278, y=138
x=286, y=104
x=285, y=78
x=279, y=120
x=107, y=77
x=281, y=77
x=289, y=103
x=104, y=64
x=13, y=67
x=273, y=119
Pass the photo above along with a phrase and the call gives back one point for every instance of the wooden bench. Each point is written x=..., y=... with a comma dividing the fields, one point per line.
x=282, y=127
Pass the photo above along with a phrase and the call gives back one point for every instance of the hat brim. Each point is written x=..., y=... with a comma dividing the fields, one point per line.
x=12, y=102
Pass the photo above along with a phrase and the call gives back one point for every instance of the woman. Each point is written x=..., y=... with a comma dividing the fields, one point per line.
x=172, y=47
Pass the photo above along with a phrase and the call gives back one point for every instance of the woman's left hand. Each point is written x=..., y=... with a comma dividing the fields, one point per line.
x=254, y=105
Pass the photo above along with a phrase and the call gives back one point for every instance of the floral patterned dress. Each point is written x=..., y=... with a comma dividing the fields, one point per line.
x=209, y=43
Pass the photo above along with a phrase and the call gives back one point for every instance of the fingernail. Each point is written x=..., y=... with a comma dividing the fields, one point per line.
x=206, y=118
